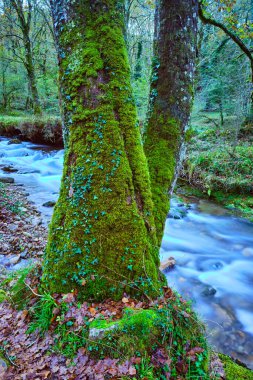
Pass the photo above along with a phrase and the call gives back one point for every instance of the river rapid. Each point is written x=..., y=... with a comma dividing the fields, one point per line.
x=213, y=249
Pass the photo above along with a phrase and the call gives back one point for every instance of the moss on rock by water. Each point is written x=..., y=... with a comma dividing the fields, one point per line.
x=102, y=236
x=235, y=371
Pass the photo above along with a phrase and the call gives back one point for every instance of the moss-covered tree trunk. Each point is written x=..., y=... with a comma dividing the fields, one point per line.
x=170, y=97
x=102, y=236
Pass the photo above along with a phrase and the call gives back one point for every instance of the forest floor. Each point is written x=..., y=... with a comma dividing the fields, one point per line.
x=218, y=163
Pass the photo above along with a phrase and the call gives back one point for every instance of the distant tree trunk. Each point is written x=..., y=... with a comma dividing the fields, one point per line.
x=102, y=236
x=170, y=97
x=24, y=18
x=221, y=112
x=138, y=67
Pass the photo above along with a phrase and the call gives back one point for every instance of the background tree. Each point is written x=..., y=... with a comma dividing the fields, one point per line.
x=235, y=20
x=28, y=56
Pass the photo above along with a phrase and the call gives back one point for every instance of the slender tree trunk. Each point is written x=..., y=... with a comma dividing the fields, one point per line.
x=138, y=66
x=102, y=236
x=221, y=112
x=32, y=78
x=170, y=97
x=24, y=16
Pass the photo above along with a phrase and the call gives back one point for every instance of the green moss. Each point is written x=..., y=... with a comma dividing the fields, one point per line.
x=161, y=147
x=235, y=371
x=102, y=236
x=3, y=295
x=141, y=332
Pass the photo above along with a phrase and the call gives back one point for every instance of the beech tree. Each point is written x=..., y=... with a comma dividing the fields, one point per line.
x=102, y=237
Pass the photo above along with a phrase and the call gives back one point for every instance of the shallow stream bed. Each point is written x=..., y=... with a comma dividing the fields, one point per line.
x=213, y=250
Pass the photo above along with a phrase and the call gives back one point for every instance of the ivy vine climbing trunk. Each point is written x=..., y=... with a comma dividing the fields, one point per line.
x=102, y=236
x=170, y=97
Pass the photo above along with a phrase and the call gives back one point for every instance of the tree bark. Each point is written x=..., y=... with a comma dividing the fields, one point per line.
x=170, y=97
x=102, y=236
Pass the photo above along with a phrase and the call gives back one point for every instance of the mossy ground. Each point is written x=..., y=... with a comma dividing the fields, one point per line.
x=235, y=371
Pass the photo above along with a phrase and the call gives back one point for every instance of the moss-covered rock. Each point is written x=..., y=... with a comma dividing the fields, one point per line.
x=235, y=371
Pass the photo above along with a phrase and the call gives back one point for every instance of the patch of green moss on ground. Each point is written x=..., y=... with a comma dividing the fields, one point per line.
x=235, y=371
x=172, y=328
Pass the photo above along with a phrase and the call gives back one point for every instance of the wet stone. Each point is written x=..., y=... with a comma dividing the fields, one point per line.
x=208, y=291
x=9, y=169
x=14, y=260
x=3, y=368
x=6, y=180
x=49, y=204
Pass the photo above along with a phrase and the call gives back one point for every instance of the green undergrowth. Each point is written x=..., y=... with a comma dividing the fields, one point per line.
x=238, y=204
x=235, y=371
x=13, y=287
x=38, y=129
x=219, y=162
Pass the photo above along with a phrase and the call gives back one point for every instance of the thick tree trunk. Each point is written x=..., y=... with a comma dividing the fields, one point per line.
x=102, y=236
x=170, y=97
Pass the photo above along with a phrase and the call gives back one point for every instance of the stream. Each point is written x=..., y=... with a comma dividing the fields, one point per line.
x=213, y=249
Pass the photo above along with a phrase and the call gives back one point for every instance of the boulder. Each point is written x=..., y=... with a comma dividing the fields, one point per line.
x=49, y=204
x=168, y=263
x=6, y=179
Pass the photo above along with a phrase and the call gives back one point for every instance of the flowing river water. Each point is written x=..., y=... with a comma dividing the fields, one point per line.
x=213, y=249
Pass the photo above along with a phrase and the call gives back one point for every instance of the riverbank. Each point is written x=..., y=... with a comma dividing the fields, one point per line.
x=37, y=129
x=22, y=235
x=219, y=161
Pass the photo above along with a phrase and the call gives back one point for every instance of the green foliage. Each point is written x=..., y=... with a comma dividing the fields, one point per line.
x=14, y=289
x=42, y=313
x=173, y=328
x=235, y=371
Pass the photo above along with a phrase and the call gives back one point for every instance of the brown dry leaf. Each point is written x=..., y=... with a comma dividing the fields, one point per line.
x=132, y=371
x=125, y=300
x=92, y=310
